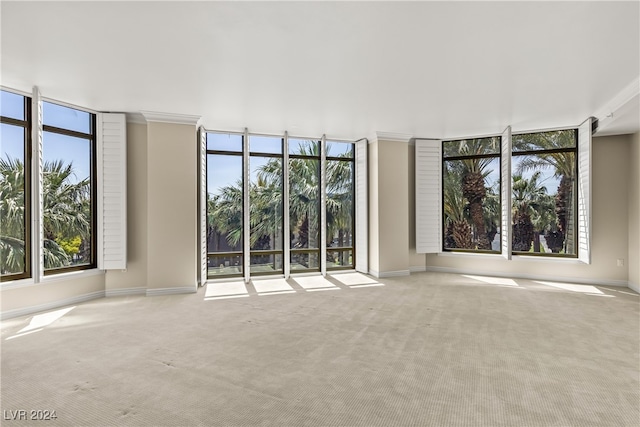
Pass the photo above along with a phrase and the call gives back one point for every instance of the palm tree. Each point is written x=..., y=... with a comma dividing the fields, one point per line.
x=66, y=214
x=12, y=208
x=457, y=228
x=473, y=173
x=530, y=199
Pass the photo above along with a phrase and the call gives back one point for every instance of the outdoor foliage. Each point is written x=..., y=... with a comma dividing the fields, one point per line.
x=224, y=214
x=66, y=214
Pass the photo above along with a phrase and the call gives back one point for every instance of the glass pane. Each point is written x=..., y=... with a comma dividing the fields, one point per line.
x=224, y=203
x=66, y=200
x=471, y=147
x=224, y=142
x=544, y=203
x=268, y=263
x=471, y=195
x=339, y=203
x=304, y=261
x=337, y=259
x=340, y=149
x=65, y=117
x=305, y=147
x=12, y=205
x=265, y=144
x=304, y=203
x=224, y=265
x=545, y=140
x=11, y=105
x=265, y=201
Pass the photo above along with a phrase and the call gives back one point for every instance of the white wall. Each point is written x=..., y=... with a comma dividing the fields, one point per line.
x=388, y=205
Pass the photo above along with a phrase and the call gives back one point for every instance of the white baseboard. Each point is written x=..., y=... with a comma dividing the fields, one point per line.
x=417, y=268
x=382, y=274
x=622, y=283
x=634, y=287
x=51, y=305
x=125, y=291
x=172, y=291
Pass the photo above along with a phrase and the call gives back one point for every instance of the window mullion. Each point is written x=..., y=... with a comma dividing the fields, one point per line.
x=285, y=208
x=322, y=244
x=246, y=226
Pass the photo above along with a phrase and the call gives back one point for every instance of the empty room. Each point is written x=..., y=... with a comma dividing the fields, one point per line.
x=313, y=213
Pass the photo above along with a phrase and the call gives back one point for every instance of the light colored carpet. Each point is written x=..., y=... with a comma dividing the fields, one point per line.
x=425, y=350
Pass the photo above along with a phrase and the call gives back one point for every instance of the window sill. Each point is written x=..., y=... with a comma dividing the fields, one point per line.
x=519, y=258
x=72, y=275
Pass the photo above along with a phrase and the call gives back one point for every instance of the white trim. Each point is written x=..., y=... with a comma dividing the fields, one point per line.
x=634, y=287
x=37, y=204
x=51, y=305
x=246, y=225
x=396, y=273
x=609, y=112
x=361, y=199
x=16, y=91
x=393, y=136
x=494, y=273
x=181, y=119
x=137, y=118
x=417, y=268
x=203, y=272
x=286, y=226
x=125, y=292
x=506, y=222
x=172, y=291
x=323, y=206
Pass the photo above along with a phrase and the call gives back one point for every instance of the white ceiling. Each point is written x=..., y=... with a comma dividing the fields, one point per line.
x=347, y=69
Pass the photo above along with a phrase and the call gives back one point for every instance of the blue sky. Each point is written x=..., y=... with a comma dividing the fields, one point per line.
x=55, y=146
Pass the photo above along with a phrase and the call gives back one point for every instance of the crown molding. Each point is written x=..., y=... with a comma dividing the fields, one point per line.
x=392, y=136
x=181, y=119
x=136, y=118
x=616, y=107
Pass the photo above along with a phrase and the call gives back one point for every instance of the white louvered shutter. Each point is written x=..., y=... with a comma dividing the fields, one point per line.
x=428, y=196
x=362, y=208
x=584, y=191
x=505, y=191
x=202, y=187
x=112, y=198
x=37, y=237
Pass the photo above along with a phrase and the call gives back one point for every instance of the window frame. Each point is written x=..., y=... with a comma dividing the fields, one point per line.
x=444, y=159
x=351, y=248
x=575, y=198
x=27, y=125
x=92, y=138
x=206, y=187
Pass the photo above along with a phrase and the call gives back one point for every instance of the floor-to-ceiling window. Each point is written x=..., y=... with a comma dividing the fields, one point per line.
x=224, y=204
x=266, y=204
x=275, y=196
x=304, y=204
x=340, y=214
